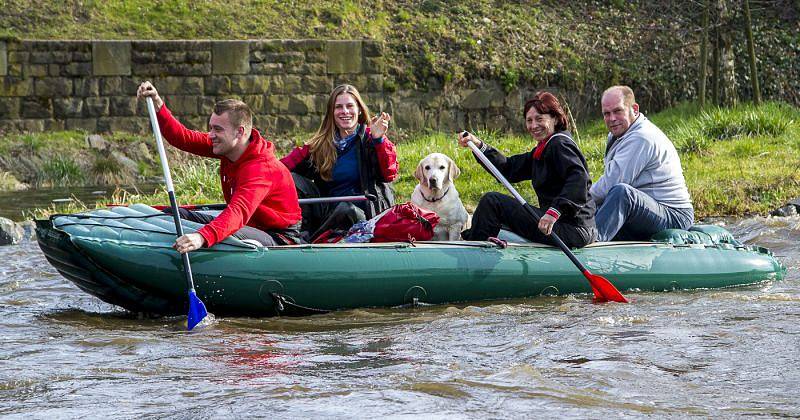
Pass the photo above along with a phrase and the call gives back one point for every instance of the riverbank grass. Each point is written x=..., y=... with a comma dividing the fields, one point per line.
x=737, y=161
x=742, y=160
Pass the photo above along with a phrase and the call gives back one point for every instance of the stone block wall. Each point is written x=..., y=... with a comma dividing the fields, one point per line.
x=91, y=85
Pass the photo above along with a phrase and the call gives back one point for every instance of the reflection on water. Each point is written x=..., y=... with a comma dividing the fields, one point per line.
x=720, y=353
x=15, y=204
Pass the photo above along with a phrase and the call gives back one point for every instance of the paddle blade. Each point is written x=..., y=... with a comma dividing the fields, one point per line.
x=197, y=310
x=603, y=289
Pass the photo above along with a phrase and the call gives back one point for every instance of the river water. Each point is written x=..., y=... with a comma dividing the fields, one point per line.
x=723, y=353
x=15, y=205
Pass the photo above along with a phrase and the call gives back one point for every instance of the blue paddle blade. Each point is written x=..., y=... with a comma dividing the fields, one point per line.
x=197, y=310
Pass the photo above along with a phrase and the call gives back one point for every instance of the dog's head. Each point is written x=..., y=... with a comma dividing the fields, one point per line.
x=436, y=170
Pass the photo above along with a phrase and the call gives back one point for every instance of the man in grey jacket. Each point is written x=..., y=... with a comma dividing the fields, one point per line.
x=642, y=190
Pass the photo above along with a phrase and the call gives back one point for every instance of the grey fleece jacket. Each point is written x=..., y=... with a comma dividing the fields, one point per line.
x=645, y=159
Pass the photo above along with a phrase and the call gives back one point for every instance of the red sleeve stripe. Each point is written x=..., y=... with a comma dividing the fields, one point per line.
x=553, y=212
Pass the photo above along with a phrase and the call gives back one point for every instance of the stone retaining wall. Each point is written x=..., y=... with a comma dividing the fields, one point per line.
x=90, y=85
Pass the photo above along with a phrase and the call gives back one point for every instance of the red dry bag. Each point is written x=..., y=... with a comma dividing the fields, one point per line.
x=405, y=222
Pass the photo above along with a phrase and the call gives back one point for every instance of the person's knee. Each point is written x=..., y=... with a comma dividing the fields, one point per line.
x=621, y=190
x=490, y=199
x=621, y=194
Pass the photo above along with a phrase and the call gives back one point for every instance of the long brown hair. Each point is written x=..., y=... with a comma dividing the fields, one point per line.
x=323, y=151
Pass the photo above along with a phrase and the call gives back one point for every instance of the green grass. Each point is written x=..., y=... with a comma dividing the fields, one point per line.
x=723, y=124
x=61, y=171
x=179, y=19
x=198, y=182
x=106, y=170
x=753, y=171
x=40, y=142
x=748, y=159
x=195, y=182
x=474, y=180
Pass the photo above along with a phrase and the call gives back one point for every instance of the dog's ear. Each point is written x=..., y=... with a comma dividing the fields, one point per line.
x=454, y=172
x=418, y=172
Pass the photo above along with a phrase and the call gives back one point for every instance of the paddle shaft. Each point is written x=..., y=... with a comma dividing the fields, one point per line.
x=488, y=164
x=342, y=199
x=316, y=200
x=162, y=154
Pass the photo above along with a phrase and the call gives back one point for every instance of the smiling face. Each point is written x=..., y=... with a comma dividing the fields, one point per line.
x=226, y=140
x=617, y=115
x=540, y=126
x=345, y=113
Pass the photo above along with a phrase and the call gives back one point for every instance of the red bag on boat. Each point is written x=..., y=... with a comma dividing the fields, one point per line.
x=405, y=222
x=330, y=236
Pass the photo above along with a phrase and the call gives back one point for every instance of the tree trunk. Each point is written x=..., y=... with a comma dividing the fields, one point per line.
x=752, y=51
x=727, y=58
x=701, y=90
x=715, y=64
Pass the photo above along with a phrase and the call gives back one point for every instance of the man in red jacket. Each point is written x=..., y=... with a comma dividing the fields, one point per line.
x=261, y=196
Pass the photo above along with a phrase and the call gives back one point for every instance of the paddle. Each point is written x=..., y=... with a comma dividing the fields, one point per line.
x=315, y=200
x=197, y=310
x=602, y=288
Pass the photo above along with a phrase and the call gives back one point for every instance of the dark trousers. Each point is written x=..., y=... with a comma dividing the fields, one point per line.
x=287, y=236
x=496, y=211
x=317, y=218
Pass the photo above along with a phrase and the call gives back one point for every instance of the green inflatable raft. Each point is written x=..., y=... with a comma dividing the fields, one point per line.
x=123, y=256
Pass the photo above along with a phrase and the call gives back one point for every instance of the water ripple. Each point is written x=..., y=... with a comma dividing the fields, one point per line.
x=723, y=353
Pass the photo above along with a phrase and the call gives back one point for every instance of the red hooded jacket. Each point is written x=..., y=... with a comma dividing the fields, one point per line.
x=258, y=188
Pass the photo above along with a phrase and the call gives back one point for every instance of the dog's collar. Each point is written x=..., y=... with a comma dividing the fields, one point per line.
x=435, y=199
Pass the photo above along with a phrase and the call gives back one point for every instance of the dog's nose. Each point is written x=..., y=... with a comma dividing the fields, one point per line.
x=433, y=182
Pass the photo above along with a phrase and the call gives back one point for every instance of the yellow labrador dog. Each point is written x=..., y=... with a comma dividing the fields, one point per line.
x=437, y=192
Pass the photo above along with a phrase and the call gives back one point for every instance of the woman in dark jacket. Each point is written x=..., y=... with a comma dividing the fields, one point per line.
x=558, y=172
x=349, y=155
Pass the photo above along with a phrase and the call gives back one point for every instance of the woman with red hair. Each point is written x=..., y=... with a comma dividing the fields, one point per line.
x=558, y=172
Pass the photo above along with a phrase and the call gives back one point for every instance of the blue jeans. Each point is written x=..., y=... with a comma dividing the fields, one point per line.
x=628, y=214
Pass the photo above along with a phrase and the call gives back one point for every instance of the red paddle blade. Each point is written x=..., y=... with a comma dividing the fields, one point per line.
x=603, y=289
x=598, y=296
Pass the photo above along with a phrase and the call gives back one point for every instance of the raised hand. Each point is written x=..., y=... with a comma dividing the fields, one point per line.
x=145, y=90
x=465, y=137
x=379, y=124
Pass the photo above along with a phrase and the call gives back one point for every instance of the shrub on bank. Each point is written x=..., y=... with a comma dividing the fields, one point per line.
x=8, y=182
x=62, y=171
